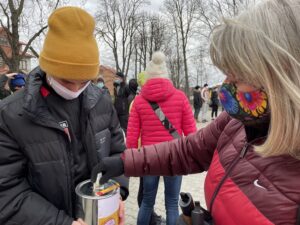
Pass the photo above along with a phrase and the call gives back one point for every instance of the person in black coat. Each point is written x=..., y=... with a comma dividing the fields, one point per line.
x=121, y=94
x=214, y=103
x=56, y=130
x=133, y=87
x=197, y=102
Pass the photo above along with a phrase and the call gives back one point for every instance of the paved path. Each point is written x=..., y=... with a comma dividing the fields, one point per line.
x=191, y=183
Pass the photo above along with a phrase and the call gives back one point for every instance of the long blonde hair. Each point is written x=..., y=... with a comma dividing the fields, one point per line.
x=261, y=47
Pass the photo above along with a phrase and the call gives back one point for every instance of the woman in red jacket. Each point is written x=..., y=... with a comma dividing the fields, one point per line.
x=144, y=123
x=252, y=150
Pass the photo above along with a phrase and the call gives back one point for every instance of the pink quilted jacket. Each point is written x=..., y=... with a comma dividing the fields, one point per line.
x=144, y=122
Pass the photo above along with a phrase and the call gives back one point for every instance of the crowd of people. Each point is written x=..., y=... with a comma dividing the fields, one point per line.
x=65, y=126
x=203, y=99
x=11, y=82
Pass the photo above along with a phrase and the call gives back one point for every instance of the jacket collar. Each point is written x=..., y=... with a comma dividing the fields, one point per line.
x=35, y=106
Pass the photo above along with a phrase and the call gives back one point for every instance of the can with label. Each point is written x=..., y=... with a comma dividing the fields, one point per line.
x=100, y=206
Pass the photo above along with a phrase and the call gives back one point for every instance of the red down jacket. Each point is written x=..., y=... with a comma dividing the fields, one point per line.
x=144, y=121
x=257, y=191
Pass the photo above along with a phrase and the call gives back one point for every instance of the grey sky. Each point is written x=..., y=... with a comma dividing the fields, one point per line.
x=91, y=5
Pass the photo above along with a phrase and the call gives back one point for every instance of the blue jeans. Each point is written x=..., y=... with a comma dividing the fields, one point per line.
x=172, y=189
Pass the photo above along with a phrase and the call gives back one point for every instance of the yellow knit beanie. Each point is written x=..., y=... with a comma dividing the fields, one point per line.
x=70, y=49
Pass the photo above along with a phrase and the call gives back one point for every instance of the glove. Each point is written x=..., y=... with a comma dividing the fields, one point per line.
x=109, y=167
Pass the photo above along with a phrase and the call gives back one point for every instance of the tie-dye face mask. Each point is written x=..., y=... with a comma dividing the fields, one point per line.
x=249, y=107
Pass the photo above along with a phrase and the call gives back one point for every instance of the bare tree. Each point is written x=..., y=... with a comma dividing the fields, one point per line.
x=142, y=40
x=183, y=13
x=158, y=30
x=210, y=11
x=150, y=37
x=174, y=63
x=12, y=17
x=117, y=24
x=198, y=61
x=173, y=52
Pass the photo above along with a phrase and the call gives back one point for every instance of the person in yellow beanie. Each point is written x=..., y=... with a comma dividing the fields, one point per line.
x=55, y=130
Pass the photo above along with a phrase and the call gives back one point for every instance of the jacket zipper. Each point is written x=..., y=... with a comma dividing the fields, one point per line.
x=70, y=188
x=86, y=143
x=69, y=172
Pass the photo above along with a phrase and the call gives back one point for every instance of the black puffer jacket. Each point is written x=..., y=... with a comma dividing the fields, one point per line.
x=214, y=99
x=121, y=92
x=197, y=99
x=36, y=185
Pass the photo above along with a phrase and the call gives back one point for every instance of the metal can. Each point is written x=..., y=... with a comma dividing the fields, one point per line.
x=101, y=206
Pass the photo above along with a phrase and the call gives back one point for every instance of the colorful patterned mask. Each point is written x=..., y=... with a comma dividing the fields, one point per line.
x=248, y=107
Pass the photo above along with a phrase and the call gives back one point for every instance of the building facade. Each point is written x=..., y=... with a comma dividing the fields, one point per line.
x=25, y=63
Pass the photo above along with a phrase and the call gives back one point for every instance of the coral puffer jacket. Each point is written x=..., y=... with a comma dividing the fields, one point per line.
x=255, y=191
x=144, y=122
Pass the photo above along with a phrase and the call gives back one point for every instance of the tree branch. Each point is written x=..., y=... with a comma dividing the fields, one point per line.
x=32, y=39
x=20, y=8
x=34, y=52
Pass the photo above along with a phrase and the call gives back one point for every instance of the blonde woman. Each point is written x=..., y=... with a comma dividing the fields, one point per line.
x=252, y=150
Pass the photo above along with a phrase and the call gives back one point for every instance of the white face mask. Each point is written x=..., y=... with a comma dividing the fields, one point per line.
x=63, y=91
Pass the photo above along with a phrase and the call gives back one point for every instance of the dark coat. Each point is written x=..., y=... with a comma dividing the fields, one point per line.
x=121, y=93
x=3, y=92
x=197, y=99
x=105, y=90
x=214, y=99
x=121, y=104
x=132, y=86
x=255, y=190
x=36, y=179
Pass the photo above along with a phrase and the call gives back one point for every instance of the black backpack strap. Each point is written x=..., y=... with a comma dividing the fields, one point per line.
x=164, y=120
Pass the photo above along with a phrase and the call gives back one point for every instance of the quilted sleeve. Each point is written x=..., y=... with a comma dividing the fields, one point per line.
x=133, y=127
x=191, y=154
x=188, y=121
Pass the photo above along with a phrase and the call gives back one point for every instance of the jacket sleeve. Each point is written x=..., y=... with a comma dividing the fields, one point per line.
x=191, y=154
x=133, y=128
x=19, y=204
x=188, y=121
x=117, y=147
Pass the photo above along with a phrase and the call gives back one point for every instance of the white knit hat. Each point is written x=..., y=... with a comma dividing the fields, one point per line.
x=157, y=67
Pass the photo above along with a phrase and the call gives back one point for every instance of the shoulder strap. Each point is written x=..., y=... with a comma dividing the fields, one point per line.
x=164, y=120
